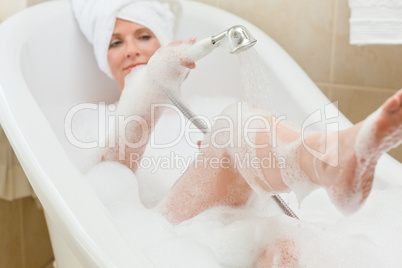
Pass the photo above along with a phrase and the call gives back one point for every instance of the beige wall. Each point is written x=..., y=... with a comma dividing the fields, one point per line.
x=24, y=238
x=8, y=7
x=316, y=34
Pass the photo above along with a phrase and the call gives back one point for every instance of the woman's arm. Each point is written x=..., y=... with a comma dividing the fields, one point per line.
x=138, y=110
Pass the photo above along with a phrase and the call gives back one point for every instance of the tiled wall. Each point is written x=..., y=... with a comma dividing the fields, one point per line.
x=24, y=238
x=316, y=34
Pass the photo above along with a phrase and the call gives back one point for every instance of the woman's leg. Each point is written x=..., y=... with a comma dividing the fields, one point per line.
x=283, y=253
x=348, y=183
x=346, y=168
x=205, y=184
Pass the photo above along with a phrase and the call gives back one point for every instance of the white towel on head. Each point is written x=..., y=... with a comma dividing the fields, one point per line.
x=375, y=22
x=155, y=16
x=97, y=18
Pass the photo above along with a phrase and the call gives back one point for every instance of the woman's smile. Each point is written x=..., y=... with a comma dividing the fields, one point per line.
x=131, y=66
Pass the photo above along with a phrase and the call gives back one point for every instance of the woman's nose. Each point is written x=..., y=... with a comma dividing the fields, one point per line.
x=132, y=50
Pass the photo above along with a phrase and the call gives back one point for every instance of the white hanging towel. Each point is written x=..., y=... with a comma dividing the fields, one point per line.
x=375, y=22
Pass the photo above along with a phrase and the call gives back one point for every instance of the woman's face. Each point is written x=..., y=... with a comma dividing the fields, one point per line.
x=132, y=44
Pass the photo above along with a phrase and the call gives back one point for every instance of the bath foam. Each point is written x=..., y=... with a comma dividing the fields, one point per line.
x=165, y=68
x=365, y=145
x=235, y=237
x=146, y=84
x=293, y=176
x=122, y=190
x=241, y=113
x=132, y=113
x=188, y=203
x=220, y=236
x=156, y=179
x=138, y=93
x=85, y=134
x=368, y=151
x=117, y=188
x=368, y=238
x=347, y=203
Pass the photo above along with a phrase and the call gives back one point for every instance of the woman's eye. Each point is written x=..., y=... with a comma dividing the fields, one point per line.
x=115, y=43
x=145, y=37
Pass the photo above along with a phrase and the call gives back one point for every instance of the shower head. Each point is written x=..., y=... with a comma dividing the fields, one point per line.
x=238, y=38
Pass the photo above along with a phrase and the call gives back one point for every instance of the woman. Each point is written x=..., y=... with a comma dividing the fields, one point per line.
x=132, y=45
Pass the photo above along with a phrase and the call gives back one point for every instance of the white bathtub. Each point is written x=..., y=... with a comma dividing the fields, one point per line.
x=46, y=66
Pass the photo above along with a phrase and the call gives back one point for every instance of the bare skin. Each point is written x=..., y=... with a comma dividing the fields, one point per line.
x=282, y=254
x=202, y=187
x=131, y=45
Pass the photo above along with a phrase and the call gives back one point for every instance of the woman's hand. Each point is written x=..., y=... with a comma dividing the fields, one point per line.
x=169, y=66
x=184, y=61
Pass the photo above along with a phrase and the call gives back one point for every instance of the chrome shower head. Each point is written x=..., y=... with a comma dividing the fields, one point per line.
x=238, y=38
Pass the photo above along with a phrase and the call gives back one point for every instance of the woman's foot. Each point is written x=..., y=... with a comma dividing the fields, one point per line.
x=349, y=182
